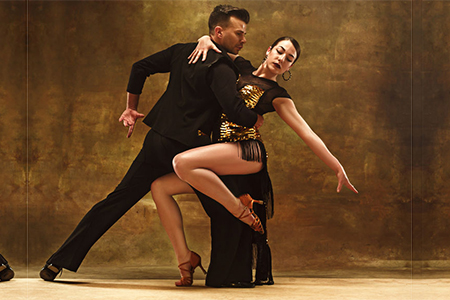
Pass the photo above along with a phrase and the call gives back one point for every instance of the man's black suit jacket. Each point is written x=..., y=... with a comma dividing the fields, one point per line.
x=196, y=94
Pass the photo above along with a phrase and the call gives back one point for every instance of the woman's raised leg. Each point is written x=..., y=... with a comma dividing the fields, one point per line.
x=201, y=166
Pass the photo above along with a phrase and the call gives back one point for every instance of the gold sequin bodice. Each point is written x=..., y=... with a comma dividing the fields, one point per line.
x=231, y=132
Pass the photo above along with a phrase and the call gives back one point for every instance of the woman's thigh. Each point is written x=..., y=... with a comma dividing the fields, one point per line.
x=221, y=158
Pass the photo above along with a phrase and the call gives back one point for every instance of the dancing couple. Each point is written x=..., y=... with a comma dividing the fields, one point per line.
x=204, y=138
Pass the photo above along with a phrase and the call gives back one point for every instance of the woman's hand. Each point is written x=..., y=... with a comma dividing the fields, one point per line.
x=343, y=180
x=285, y=108
x=203, y=46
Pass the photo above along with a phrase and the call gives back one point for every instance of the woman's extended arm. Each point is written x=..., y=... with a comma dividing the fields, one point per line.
x=286, y=109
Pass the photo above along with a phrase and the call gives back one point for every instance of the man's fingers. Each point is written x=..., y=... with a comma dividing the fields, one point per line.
x=130, y=131
x=127, y=123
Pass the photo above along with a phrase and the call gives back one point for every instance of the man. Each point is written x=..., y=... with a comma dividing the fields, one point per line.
x=6, y=273
x=182, y=118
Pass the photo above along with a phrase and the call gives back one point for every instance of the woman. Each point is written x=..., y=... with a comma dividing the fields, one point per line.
x=239, y=151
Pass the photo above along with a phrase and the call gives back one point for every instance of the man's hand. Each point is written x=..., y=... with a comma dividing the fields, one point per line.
x=259, y=122
x=129, y=117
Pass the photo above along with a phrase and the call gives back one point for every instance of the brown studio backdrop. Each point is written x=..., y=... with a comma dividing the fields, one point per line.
x=13, y=132
x=352, y=84
x=432, y=139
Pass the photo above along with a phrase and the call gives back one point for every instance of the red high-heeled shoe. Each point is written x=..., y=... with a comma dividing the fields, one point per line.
x=194, y=262
x=248, y=202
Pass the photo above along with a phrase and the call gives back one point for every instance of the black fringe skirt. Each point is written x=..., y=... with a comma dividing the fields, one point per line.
x=259, y=186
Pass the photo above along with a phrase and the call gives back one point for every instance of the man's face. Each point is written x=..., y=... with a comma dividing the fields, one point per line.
x=232, y=38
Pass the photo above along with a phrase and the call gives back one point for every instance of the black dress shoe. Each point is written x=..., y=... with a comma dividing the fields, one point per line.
x=240, y=285
x=6, y=273
x=49, y=272
x=264, y=282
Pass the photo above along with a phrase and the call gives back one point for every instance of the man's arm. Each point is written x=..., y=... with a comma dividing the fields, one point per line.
x=156, y=63
x=223, y=84
x=159, y=62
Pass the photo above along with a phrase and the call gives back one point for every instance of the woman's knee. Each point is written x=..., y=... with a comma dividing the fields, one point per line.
x=180, y=165
x=157, y=186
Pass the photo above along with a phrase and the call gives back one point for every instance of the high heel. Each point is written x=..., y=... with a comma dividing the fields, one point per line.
x=194, y=262
x=248, y=202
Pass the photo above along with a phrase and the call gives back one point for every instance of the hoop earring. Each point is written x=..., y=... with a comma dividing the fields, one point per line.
x=290, y=75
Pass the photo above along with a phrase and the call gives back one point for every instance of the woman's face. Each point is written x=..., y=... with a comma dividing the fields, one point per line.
x=281, y=57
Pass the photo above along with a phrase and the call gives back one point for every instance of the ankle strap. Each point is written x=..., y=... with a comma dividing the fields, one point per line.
x=179, y=266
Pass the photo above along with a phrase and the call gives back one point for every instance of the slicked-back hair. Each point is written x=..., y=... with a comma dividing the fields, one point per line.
x=221, y=14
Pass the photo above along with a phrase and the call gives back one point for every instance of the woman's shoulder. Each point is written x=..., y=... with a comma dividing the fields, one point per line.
x=281, y=92
x=276, y=91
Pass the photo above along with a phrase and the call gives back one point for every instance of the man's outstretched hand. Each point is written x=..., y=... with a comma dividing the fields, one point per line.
x=129, y=118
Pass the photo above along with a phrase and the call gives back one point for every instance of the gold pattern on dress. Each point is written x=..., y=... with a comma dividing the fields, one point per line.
x=231, y=132
x=251, y=94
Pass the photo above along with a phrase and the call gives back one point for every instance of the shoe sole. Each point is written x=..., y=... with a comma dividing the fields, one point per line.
x=7, y=275
x=47, y=275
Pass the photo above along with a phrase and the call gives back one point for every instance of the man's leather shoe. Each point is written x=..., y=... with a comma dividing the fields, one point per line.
x=49, y=272
x=264, y=282
x=240, y=285
x=6, y=273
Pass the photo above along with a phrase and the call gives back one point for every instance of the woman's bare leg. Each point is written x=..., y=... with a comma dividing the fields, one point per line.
x=169, y=212
x=201, y=166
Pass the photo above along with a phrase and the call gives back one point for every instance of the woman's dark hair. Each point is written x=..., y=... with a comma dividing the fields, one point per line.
x=221, y=14
x=293, y=41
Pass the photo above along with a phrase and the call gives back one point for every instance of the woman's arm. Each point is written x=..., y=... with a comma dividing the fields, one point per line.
x=286, y=109
x=204, y=45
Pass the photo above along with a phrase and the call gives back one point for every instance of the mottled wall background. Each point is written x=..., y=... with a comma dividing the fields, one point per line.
x=352, y=84
x=13, y=132
x=432, y=141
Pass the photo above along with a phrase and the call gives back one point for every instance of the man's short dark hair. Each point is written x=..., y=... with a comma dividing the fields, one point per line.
x=221, y=14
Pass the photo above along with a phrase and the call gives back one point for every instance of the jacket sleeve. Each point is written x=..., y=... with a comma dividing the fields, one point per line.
x=223, y=84
x=159, y=62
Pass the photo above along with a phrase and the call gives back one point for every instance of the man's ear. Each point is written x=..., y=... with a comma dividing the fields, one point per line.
x=218, y=31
